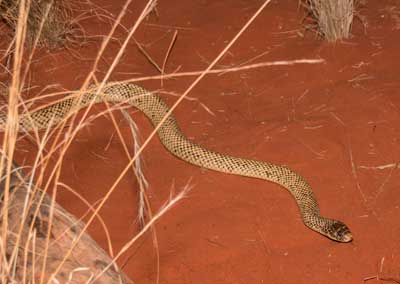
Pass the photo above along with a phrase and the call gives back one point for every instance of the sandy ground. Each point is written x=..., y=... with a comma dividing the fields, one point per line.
x=336, y=123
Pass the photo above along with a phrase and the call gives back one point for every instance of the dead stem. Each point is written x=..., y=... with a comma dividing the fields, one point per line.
x=222, y=70
x=171, y=45
x=148, y=57
x=11, y=130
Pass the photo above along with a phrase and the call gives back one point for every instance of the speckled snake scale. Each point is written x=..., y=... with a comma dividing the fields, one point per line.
x=173, y=139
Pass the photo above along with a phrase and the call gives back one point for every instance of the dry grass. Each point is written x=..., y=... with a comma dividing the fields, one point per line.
x=16, y=252
x=331, y=19
x=51, y=154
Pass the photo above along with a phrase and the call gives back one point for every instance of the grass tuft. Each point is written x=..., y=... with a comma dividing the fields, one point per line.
x=331, y=19
x=50, y=23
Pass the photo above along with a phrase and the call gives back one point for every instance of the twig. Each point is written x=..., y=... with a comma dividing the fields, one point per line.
x=148, y=57
x=174, y=37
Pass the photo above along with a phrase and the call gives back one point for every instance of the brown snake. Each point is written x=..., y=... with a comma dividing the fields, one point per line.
x=173, y=139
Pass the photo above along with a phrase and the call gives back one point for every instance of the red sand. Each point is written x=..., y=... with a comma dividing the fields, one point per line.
x=336, y=123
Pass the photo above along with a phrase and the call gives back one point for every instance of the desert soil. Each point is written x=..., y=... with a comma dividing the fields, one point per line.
x=336, y=123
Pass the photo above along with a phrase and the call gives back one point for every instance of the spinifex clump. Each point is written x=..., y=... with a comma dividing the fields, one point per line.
x=332, y=19
x=50, y=20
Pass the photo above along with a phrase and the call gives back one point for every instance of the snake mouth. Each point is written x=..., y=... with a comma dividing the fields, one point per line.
x=347, y=237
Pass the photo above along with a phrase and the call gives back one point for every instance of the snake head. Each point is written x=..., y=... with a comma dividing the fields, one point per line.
x=338, y=231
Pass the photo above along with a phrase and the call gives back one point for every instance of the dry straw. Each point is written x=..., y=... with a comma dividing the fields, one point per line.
x=19, y=241
x=16, y=248
x=332, y=19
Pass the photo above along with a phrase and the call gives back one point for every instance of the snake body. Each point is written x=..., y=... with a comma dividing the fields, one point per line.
x=173, y=139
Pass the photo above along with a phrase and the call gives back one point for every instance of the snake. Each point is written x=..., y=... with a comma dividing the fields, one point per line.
x=170, y=135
